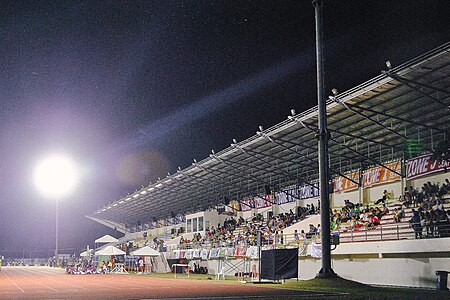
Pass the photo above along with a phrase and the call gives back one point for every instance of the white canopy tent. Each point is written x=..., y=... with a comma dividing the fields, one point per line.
x=110, y=250
x=154, y=261
x=106, y=239
x=145, y=251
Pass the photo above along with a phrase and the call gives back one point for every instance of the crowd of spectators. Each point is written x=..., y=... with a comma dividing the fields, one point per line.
x=357, y=216
x=427, y=196
x=239, y=231
x=428, y=213
x=236, y=232
x=81, y=267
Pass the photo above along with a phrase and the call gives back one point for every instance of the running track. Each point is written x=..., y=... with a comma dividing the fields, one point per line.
x=50, y=283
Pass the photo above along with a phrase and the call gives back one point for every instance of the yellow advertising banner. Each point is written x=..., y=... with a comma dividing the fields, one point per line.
x=370, y=177
x=381, y=175
x=343, y=184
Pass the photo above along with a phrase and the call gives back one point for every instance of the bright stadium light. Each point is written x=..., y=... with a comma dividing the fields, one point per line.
x=55, y=176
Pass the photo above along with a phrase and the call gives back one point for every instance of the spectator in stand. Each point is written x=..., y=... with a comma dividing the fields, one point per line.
x=399, y=214
x=406, y=198
x=296, y=237
x=415, y=223
x=428, y=224
x=349, y=204
x=384, y=211
x=446, y=186
x=373, y=221
x=384, y=198
x=312, y=231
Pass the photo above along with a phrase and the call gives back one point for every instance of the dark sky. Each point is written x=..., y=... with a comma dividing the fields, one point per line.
x=133, y=89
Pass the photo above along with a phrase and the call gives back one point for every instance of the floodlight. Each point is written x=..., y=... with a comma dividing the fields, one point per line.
x=55, y=176
x=334, y=91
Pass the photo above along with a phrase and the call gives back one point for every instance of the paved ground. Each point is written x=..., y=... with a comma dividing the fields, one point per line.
x=50, y=283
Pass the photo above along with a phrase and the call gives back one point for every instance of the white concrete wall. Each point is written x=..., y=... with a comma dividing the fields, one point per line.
x=284, y=208
x=247, y=214
x=376, y=192
x=414, y=272
x=338, y=198
x=404, y=263
x=211, y=215
x=309, y=201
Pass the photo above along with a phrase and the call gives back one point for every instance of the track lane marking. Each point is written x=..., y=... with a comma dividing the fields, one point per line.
x=31, y=278
x=52, y=278
x=13, y=282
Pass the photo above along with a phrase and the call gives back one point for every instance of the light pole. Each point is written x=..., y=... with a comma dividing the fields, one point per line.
x=55, y=177
x=326, y=271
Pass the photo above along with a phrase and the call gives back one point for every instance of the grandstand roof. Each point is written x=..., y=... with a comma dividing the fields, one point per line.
x=402, y=112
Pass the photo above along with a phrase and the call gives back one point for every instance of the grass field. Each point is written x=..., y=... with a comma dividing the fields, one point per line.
x=339, y=288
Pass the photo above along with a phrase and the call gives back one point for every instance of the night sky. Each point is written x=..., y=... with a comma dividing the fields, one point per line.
x=133, y=89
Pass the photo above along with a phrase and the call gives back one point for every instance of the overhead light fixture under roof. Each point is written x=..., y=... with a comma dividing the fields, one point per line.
x=388, y=64
x=159, y=185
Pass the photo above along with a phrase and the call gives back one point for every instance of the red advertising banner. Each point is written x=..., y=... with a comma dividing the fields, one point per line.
x=258, y=202
x=423, y=165
x=247, y=204
x=370, y=177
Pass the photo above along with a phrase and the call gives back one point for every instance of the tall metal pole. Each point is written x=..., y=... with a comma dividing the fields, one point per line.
x=326, y=271
x=57, y=217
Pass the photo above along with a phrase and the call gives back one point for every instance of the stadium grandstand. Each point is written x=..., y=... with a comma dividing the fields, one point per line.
x=388, y=156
